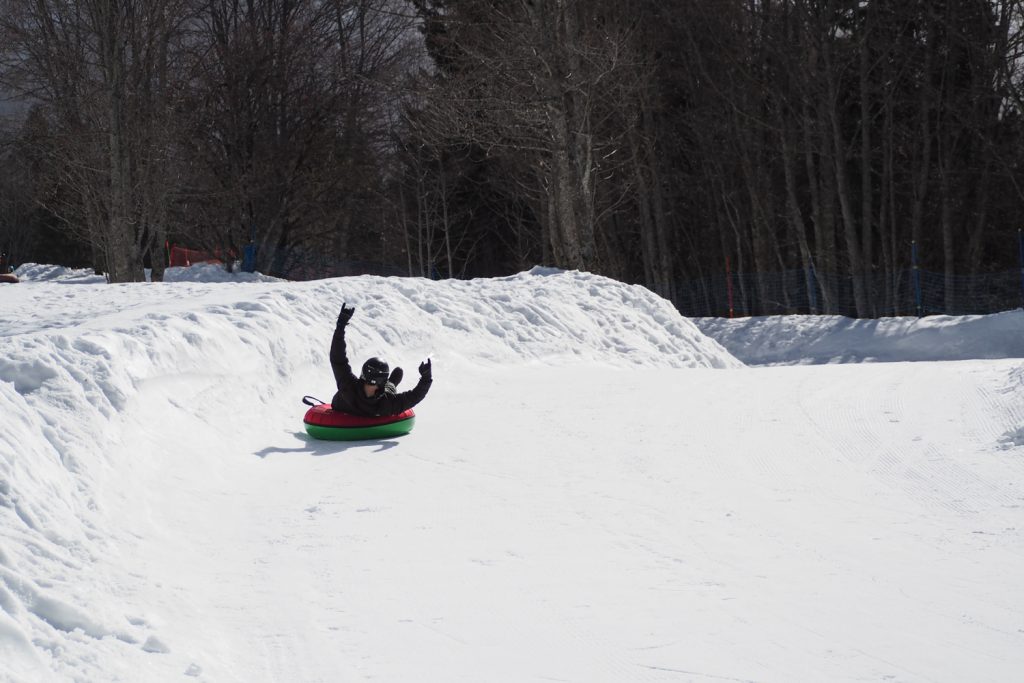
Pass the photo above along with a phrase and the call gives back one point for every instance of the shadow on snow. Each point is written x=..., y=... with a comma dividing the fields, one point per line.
x=319, y=448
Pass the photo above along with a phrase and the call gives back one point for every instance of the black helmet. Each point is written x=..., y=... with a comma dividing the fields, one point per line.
x=375, y=371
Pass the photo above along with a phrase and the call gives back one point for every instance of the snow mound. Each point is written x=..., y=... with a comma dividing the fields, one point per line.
x=543, y=315
x=554, y=316
x=36, y=272
x=200, y=272
x=808, y=339
x=73, y=359
x=213, y=272
x=1012, y=439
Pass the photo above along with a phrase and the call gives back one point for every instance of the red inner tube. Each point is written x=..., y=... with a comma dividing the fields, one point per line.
x=324, y=416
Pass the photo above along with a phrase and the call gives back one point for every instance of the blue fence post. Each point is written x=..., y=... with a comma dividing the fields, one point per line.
x=917, y=277
x=728, y=278
x=1020, y=248
x=812, y=290
x=249, y=252
x=249, y=258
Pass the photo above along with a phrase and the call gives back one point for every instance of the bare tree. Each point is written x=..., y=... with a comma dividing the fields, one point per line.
x=540, y=80
x=104, y=70
x=288, y=111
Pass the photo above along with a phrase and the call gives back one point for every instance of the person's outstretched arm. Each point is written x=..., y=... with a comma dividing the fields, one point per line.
x=339, y=358
x=399, y=403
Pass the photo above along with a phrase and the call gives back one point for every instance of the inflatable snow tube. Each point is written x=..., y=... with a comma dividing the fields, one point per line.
x=332, y=425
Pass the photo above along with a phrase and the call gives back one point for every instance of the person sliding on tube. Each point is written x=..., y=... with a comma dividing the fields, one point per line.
x=374, y=392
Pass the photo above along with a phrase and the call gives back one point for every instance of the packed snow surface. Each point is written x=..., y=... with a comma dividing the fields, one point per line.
x=595, y=490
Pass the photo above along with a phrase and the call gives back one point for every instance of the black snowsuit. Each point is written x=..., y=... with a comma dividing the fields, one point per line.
x=351, y=398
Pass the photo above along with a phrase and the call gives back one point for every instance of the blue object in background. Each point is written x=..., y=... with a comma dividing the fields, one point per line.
x=249, y=258
x=1020, y=248
x=917, y=278
x=812, y=291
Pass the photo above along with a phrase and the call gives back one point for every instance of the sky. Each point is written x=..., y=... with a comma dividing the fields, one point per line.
x=596, y=488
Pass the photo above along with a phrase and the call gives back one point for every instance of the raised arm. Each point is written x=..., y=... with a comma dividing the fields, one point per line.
x=339, y=358
x=407, y=399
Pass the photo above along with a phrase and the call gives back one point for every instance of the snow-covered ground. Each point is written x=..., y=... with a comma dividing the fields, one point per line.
x=806, y=339
x=594, y=491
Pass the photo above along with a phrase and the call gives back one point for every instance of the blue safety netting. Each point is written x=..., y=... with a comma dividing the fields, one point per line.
x=905, y=292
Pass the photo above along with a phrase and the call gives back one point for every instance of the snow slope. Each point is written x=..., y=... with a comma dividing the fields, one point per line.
x=594, y=491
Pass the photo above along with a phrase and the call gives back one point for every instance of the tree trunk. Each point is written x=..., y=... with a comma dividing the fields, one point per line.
x=887, y=228
x=866, y=180
x=820, y=184
x=653, y=241
x=796, y=219
x=853, y=248
x=948, y=240
x=921, y=164
x=565, y=228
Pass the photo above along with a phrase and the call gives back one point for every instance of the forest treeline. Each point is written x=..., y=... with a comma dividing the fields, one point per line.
x=655, y=142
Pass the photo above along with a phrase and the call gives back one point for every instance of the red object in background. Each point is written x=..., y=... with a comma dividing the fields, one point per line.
x=180, y=256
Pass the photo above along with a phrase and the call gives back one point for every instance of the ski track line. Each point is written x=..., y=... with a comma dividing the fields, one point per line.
x=980, y=414
x=864, y=436
x=700, y=674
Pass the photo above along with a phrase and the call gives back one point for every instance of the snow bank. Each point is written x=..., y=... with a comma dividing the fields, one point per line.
x=38, y=272
x=212, y=272
x=201, y=272
x=807, y=339
x=72, y=360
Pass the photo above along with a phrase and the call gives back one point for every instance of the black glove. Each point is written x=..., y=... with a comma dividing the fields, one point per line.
x=345, y=315
x=425, y=372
